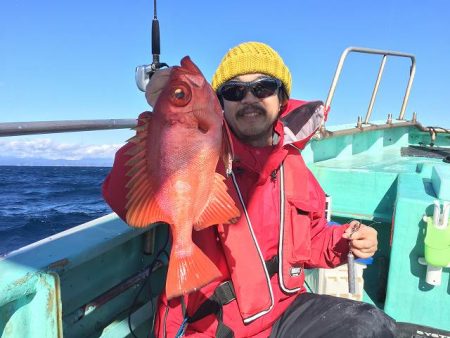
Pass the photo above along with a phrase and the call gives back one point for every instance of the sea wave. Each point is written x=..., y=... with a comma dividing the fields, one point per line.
x=37, y=202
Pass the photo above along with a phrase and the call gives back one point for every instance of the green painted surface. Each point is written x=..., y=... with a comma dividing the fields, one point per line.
x=30, y=305
x=368, y=179
x=357, y=193
x=45, y=288
x=75, y=268
x=417, y=137
x=440, y=179
x=140, y=320
x=409, y=297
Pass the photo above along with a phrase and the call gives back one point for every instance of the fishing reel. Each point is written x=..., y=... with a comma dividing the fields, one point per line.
x=144, y=73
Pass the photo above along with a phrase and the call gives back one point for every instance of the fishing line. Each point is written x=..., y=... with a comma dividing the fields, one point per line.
x=156, y=260
x=148, y=72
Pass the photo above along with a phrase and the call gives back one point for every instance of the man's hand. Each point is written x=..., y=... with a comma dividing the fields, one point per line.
x=363, y=242
x=157, y=83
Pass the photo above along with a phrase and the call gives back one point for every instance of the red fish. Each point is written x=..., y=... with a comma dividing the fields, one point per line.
x=173, y=174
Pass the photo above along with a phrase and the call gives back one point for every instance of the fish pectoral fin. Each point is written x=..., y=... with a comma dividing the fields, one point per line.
x=221, y=207
x=143, y=211
x=142, y=206
x=189, y=272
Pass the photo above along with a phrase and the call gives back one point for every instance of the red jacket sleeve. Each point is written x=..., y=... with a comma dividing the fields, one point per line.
x=328, y=248
x=114, y=187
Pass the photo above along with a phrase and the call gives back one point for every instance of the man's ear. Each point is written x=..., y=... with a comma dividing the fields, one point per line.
x=220, y=100
x=283, y=97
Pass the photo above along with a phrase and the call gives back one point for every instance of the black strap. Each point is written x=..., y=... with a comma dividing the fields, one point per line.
x=224, y=294
x=183, y=306
x=272, y=265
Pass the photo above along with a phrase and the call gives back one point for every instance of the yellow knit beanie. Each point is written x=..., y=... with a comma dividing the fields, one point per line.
x=252, y=57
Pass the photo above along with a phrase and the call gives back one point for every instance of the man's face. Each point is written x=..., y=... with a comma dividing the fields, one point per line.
x=251, y=119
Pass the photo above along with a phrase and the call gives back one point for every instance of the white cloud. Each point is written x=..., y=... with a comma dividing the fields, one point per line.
x=48, y=149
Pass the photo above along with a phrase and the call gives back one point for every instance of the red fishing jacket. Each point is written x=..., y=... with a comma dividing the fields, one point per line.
x=282, y=214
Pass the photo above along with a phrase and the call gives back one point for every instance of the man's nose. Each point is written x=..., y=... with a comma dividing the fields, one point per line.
x=249, y=97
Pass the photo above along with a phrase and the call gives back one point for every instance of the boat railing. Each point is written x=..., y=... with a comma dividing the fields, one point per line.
x=385, y=54
x=63, y=126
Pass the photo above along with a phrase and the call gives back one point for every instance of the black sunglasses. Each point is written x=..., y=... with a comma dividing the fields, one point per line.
x=260, y=88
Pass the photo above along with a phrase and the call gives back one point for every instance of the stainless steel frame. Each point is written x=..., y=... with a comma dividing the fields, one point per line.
x=385, y=53
x=49, y=127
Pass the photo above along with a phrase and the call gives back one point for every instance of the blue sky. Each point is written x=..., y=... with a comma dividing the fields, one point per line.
x=76, y=59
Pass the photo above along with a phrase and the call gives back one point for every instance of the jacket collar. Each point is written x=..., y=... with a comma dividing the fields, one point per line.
x=298, y=122
x=301, y=120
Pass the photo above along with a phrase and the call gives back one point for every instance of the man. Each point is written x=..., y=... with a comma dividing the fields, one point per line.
x=283, y=228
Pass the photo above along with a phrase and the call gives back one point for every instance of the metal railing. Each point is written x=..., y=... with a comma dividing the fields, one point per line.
x=49, y=127
x=385, y=54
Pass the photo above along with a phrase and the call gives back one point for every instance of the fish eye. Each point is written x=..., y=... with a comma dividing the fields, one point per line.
x=180, y=95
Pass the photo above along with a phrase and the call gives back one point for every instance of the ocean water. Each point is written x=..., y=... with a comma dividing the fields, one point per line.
x=37, y=202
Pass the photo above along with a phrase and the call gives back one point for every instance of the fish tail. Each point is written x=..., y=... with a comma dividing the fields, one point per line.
x=187, y=273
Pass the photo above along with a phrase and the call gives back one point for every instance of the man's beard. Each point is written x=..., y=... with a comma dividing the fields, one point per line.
x=262, y=127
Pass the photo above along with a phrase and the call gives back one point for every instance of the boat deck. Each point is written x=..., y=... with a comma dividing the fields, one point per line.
x=373, y=177
x=85, y=281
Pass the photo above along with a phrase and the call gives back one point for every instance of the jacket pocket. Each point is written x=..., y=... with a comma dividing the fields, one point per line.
x=298, y=228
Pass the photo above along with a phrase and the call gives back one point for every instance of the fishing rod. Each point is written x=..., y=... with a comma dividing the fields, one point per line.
x=145, y=72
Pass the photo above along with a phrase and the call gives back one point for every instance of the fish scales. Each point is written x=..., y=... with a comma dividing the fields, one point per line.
x=173, y=176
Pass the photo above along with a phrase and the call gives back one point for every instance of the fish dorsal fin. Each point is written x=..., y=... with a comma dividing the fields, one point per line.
x=187, y=64
x=220, y=208
x=192, y=72
x=142, y=208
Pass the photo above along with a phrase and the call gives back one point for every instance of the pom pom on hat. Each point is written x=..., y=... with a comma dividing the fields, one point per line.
x=252, y=57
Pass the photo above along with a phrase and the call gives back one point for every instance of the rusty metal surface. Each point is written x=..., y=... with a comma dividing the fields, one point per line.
x=31, y=305
x=91, y=273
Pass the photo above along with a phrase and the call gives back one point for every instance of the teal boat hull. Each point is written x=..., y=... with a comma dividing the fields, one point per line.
x=93, y=280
